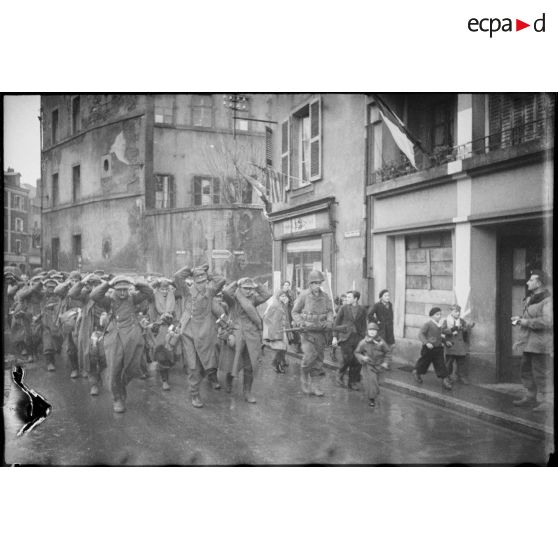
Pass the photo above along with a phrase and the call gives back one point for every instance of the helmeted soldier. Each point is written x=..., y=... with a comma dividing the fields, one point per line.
x=197, y=327
x=123, y=340
x=313, y=310
x=243, y=297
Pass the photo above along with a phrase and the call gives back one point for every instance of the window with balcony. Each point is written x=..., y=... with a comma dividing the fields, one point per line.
x=516, y=118
x=202, y=111
x=164, y=191
x=207, y=190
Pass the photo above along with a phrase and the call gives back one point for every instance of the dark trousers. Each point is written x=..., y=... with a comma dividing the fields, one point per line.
x=460, y=363
x=349, y=362
x=433, y=356
x=535, y=373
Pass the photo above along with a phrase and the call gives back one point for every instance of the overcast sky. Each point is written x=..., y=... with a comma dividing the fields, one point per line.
x=22, y=145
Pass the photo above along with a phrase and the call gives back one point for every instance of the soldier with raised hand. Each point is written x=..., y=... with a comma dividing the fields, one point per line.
x=313, y=312
x=90, y=360
x=198, y=311
x=123, y=340
x=243, y=297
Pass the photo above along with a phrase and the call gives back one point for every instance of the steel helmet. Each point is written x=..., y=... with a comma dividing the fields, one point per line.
x=315, y=275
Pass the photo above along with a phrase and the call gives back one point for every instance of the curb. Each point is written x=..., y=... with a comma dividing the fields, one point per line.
x=463, y=407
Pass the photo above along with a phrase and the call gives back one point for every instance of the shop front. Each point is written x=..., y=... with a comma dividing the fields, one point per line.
x=303, y=241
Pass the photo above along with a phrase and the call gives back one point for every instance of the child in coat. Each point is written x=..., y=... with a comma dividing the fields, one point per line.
x=373, y=353
x=457, y=332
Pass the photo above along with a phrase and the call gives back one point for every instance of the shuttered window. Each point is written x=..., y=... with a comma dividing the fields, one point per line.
x=285, y=153
x=268, y=146
x=316, y=140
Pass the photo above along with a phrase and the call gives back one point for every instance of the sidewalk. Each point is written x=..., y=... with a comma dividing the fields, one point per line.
x=492, y=402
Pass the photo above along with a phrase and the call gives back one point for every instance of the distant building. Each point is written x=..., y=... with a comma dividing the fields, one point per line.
x=16, y=222
x=34, y=224
x=146, y=183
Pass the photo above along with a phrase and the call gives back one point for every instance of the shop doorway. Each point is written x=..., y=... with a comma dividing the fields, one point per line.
x=302, y=257
x=518, y=255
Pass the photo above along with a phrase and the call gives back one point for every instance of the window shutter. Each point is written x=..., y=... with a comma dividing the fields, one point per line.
x=316, y=139
x=172, y=192
x=197, y=190
x=285, y=153
x=216, y=191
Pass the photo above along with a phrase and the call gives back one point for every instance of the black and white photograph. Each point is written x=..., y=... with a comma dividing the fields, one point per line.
x=219, y=278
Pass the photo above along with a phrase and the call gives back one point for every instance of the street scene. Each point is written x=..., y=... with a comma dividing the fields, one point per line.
x=234, y=279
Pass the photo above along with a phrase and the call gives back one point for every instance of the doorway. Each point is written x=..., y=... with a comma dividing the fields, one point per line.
x=518, y=255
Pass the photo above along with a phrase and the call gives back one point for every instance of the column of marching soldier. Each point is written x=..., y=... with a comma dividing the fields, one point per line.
x=120, y=328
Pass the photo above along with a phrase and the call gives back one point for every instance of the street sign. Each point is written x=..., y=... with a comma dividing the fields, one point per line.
x=238, y=252
x=181, y=252
x=221, y=254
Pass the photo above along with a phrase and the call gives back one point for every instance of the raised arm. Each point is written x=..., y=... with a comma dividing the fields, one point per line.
x=145, y=292
x=99, y=295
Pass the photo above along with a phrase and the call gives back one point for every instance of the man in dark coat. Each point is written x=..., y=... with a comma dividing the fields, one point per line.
x=353, y=317
x=313, y=309
x=243, y=298
x=123, y=341
x=90, y=354
x=198, y=330
x=536, y=330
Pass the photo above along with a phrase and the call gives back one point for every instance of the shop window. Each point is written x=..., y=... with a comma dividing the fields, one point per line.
x=164, y=191
x=303, y=256
x=207, y=190
x=202, y=110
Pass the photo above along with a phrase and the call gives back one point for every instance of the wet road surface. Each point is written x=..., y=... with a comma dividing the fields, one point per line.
x=284, y=427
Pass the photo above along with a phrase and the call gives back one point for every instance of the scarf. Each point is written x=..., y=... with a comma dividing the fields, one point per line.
x=164, y=304
x=538, y=297
x=452, y=322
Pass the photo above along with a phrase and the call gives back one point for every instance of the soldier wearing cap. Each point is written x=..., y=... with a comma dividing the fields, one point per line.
x=43, y=303
x=67, y=320
x=313, y=309
x=163, y=305
x=123, y=340
x=12, y=284
x=90, y=362
x=198, y=330
x=243, y=297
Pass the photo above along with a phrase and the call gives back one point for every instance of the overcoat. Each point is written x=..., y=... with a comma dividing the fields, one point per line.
x=536, y=335
x=123, y=331
x=457, y=333
x=382, y=314
x=248, y=332
x=275, y=320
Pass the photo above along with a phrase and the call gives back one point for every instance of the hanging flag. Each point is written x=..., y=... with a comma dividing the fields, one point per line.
x=119, y=148
x=398, y=131
x=276, y=186
x=259, y=188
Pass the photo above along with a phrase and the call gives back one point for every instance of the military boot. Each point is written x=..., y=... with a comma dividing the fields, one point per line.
x=247, y=389
x=305, y=382
x=228, y=383
x=316, y=386
x=212, y=377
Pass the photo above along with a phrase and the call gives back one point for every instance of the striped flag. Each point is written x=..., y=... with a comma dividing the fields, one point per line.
x=259, y=188
x=398, y=131
x=275, y=186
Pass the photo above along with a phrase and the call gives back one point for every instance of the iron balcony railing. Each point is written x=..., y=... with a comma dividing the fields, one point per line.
x=541, y=131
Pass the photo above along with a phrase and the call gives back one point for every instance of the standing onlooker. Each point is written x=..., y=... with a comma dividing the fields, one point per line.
x=292, y=336
x=353, y=317
x=432, y=351
x=457, y=332
x=382, y=314
x=338, y=303
x=536, y=339
x=275, y=321
x=372, y=352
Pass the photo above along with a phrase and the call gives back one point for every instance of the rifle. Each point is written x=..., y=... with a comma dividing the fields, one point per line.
x=315, y=329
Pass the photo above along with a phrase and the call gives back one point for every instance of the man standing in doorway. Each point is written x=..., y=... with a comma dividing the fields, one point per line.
x=313, y=311
x=537, y=343
x=353, y=317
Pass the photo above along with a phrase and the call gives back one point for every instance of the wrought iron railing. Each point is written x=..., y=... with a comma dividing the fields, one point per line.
x=538, y=130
